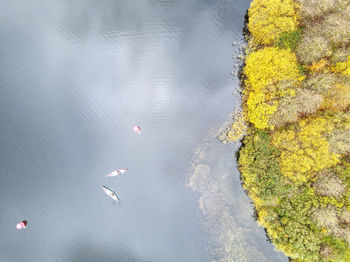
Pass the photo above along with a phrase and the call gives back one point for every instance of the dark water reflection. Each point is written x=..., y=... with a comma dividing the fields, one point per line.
x=75, y=77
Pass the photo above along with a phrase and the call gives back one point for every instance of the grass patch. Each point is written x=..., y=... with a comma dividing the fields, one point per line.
x=289, y=40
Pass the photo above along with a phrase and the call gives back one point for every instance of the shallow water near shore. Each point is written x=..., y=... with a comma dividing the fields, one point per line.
x=76, y=77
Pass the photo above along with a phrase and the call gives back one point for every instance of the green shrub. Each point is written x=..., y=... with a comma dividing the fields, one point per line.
x=297, y=235
x=340, y=250
x=304, y=69
x=259, y=167
x=289, y=39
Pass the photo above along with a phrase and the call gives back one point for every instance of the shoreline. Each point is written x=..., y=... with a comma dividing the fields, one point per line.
x=294, y=161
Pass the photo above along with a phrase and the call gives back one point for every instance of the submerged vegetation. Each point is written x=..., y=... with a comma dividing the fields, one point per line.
x=295, y=157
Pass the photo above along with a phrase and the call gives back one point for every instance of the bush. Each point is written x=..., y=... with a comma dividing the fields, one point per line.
x=308, y=101
x=269, y=66
x=271, y=74
x=346, y=235
x=336, y=28
x=340, y=250
x=337, y=98
x=326, y=217
x=259, y=167
x=314, y=9
x=268, y=19
x=335, y=90
x=321, y=83
x=290, y=109
x=342, y=67
x=296, y=234
x=313, y=47
x=329, y=184
x=344, y=215
x=289, y=39
x=287, y=112
x=259, y=110
x=326, y=251
x=321, y=66
x=341, y=54
x=300, y=242
x=304, y=148
x=339, y=141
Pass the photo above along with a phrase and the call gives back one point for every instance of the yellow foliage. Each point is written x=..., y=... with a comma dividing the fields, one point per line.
x=268, y=19
x=262, y=214
x=337, y=98
x=265, y=69
x=259, y=111
x=342, y=67
x=305, y=149
x=319, y=66
x=325, y=201
x=269, y=66
x=238, y=129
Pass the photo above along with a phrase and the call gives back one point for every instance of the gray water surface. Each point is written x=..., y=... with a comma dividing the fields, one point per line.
x=75, y=77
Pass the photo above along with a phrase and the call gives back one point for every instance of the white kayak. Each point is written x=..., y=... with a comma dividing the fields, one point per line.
x=117, y=172
x=110, y=193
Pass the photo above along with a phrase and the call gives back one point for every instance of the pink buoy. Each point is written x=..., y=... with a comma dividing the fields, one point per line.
x=21, y=225
x=137, y=129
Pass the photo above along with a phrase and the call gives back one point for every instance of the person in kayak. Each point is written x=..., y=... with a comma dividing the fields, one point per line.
x=22, y=224
x=137, y=129
x=117, y=172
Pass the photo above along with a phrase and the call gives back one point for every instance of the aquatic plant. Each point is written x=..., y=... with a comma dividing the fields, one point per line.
x=236, y=130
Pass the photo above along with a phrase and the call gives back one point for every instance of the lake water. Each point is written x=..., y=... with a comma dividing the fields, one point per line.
x=75, y=77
